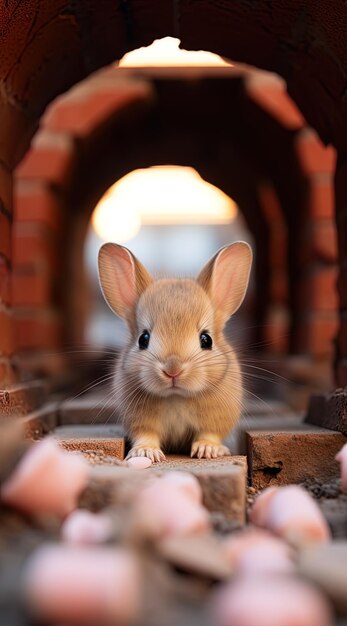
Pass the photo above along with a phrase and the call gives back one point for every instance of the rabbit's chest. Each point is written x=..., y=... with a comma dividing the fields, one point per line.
x=178, y=421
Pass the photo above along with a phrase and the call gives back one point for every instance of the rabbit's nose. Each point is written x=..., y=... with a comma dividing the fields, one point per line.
x=172, y=374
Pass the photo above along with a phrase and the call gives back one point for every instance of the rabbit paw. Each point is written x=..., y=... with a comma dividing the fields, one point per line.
x=207, y=450
x=154, y=454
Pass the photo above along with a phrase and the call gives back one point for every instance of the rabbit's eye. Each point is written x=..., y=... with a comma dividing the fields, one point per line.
x=144, y=340
x=205, y=341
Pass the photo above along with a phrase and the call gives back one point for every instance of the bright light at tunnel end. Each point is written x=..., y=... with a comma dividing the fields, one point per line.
x=160, y=195
x=166, y=52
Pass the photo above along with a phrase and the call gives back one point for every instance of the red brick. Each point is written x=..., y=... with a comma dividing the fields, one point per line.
x=50, y=159
x=5, y=282
x=276, y=331
x=21, y=399
x=319, y=290
x=31, y=288
x=107, y=439
x=34, y=245
x=7, y=375
x=293, y=457
x=36, y=202
x=317, y=332
x=270, y=204
x=278, y=103
x=321, y=203
x=5, y=235
x=5, y=188
x=279, y=287
x=7, y=346
x=323, y=240
x=315, y=158
x=82, y=110
x=38, y=329
x=329, y=410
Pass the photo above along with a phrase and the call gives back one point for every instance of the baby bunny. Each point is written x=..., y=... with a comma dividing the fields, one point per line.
x=177, y=382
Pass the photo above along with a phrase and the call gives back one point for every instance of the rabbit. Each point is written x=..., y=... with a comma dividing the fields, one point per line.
x=177, y=382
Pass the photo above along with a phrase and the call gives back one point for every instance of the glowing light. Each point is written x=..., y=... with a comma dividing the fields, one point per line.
x=166, y=52
x=159, y=195
x=113, y=223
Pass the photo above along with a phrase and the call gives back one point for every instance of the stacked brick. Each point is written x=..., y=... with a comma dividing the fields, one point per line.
x=38, y=244
x=341, y=220
x=315, y=293
x=43, y=218
x=7, y=346
x=318, y=293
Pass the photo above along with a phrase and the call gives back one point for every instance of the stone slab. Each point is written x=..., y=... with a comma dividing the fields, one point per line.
x=329, y=410
x=223, y=482
x=280, y=458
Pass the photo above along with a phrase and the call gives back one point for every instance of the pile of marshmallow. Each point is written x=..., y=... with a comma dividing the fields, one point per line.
x=91, y=576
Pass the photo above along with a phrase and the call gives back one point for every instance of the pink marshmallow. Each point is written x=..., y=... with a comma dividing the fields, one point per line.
x=292, y=514
x=84, y=527
x=342, y=458
x=185, y=481
x=270, y=601
x=139, y=462
x=47, y=480
x=164, y=509
x=77, y=585
x=256, y=551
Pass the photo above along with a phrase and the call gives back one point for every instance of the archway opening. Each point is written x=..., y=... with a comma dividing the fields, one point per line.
x=173, y=221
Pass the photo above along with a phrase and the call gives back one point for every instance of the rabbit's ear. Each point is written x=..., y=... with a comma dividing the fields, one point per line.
x=122, y=278
x=225, y=277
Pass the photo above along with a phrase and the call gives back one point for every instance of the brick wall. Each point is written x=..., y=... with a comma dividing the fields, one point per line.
x=44, y=220
x=45, y=223
x=315, y=299
x=317, y=289
x=7, y=336
x=341, y=220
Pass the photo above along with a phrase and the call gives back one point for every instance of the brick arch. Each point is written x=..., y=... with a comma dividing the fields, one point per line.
x=109, y=115
x=50, y=49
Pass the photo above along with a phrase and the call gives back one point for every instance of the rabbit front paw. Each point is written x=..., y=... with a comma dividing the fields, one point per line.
x=203, y=449
x=154, y=454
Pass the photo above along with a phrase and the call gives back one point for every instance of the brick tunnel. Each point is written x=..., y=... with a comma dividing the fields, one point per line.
x=268, y=130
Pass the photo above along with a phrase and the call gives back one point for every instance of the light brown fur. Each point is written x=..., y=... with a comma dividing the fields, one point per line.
x=203, y=404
